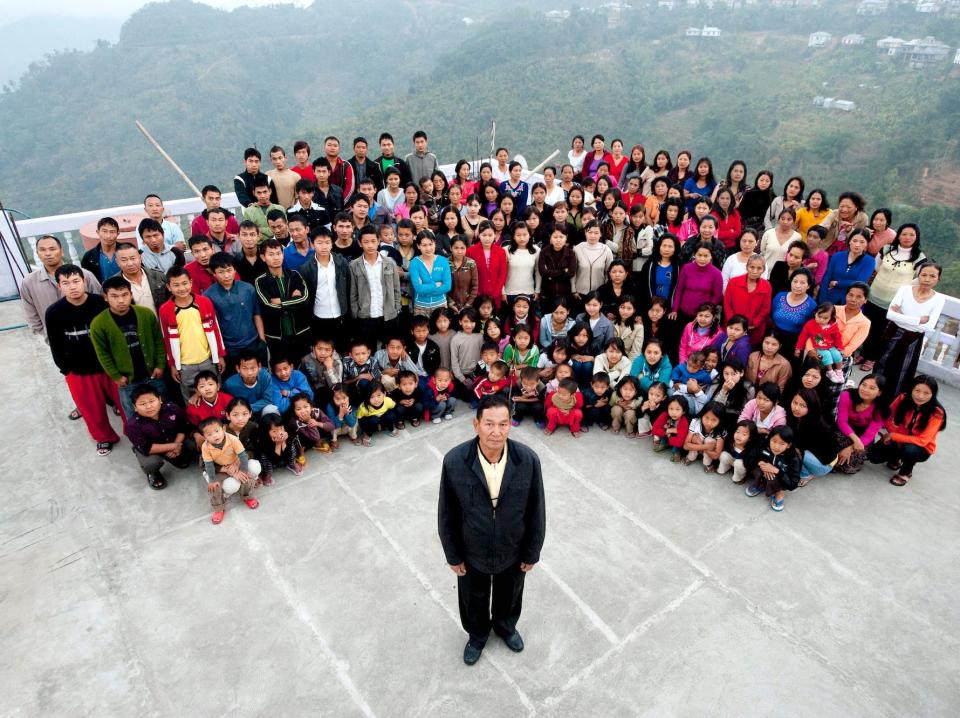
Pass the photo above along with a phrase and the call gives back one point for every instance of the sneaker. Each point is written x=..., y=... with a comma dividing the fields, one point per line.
x=436, y=420
x=448, y=417
x=217, y=517
x=776, y=505
x=753, y=490
x=835, y=376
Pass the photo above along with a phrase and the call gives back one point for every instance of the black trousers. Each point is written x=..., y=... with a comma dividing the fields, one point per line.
x=374, y=330
x=478, y=614
x=909, y=454
x=336, y=330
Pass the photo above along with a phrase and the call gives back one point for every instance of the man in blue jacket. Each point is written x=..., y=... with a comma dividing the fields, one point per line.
x=492, y=522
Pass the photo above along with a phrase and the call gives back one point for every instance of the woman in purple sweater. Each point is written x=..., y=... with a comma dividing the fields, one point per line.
x=700, y=282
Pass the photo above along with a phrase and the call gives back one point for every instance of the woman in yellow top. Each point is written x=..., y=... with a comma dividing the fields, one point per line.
x=814, y=211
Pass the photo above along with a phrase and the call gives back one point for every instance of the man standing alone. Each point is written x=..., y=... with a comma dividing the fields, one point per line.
x=492, y=522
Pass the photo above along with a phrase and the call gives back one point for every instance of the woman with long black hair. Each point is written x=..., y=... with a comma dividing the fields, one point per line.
x=909, y=435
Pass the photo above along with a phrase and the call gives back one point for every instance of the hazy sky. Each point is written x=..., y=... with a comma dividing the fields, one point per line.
x=105, y=8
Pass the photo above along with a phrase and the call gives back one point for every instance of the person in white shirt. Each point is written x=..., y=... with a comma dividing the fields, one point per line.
x=327, y=276
x=555, y=192
x=172, y=234
x=914, y=310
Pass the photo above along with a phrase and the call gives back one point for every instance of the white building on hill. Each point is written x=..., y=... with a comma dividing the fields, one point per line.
x=872, y=7
x=819, y=39
x=852, y=39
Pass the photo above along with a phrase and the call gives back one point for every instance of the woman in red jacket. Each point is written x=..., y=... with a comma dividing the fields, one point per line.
x=910, y=432
x=491, y=262
x=750, y=295
x=729, y=225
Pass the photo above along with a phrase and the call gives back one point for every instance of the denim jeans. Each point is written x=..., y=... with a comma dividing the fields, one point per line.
x=812, y=466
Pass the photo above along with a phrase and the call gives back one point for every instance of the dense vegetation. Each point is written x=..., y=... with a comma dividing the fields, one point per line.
x=209, y=83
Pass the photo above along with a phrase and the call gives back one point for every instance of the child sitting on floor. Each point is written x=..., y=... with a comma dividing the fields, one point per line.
x=496, y=381
x=376, y=413
x=224, y=455
x=733, y=455
x=287, y=383
x=624, y=404
x=651, y=408
x=774, y=466
x=408, y=399
x=528, y=397
x=323, y=368
x=241, y=424
x=440, y=395
x=670, y=428
x=207, y=401
x=391, y=360
x=565, y=408
x=309, y=424
x=343, y=416
x=359, y=370
x=278, y=449
x=706, y=437
x=596, y=402
x=689, y=380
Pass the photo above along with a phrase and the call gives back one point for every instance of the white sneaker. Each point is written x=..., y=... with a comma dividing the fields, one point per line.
x=448, y=417
x=436, y=420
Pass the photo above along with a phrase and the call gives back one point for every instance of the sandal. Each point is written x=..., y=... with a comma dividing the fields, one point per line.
x=251, y=502
x=414, y=423
x=867, y=366
x=74, y=415
x=217, y=517
x=104, y=448
x=399, y=426
x=366, y=441
x=776, y=505
x=900, y=480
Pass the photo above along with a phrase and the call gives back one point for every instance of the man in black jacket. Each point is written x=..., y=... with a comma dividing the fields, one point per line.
x=101, y=260
x=284, y=306
x=363, y=166
x=327, y=276
x=492, y=522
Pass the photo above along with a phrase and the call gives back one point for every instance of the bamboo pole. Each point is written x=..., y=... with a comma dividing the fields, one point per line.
x=542, y=164
x=168, y=158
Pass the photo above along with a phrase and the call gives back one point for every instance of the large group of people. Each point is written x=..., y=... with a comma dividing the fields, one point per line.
x=361, y=297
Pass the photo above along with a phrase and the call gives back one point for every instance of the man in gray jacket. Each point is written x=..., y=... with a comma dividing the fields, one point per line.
x=374, y=292
x=492, y=523
x=421, y=162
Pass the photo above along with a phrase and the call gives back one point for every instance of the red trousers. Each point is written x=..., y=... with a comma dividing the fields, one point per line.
x=556, y=417
x=90, y=392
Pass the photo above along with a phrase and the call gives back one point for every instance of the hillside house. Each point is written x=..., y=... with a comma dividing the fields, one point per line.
x=819, y=39
x=890, y=46
x=710, y=31
x=872, y=7
x=852, y=39
x=832, y=103
x=924, y=53
x=666, y=4
x=927, y=6
x=557, y=15
x=692, y=32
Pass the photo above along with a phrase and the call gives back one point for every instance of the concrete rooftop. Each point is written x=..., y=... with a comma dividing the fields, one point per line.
x=662, y=591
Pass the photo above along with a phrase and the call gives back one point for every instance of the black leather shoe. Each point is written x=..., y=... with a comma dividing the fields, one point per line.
x=471, y=653
x=156, y=481
x=514, y=642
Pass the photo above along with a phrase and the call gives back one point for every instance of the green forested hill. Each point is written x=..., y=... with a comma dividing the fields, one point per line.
x=209, y=83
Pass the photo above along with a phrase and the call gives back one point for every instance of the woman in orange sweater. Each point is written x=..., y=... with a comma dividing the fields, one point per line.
x=909, y=435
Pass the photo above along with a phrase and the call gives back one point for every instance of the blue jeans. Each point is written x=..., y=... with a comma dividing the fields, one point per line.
x=813, y=467
x=442, y=408
x=126, y=394
x=582, y=371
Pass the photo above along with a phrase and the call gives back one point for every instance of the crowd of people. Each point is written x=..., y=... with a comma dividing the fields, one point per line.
x=356, y=298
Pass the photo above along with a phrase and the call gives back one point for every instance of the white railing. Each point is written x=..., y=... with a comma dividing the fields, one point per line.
x=66, y=227
x=940, y=357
